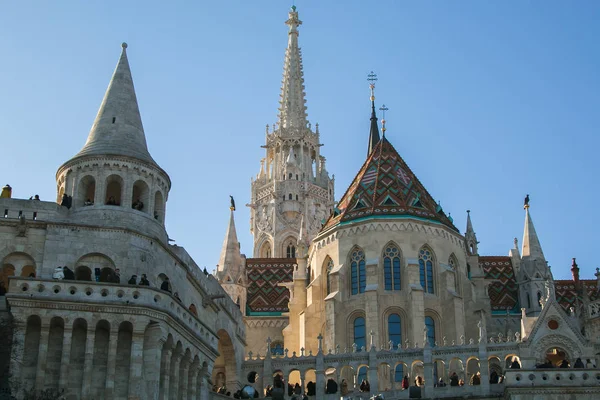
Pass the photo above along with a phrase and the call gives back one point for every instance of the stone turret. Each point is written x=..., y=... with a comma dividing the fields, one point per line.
x=470, y=236
x=113, y=180
x=231, y=267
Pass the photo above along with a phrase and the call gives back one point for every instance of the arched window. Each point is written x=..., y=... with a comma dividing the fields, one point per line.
x=360, y=333
x=391, y=267
x=290, y=175
x=328, y=269
x=426, y=269
x=291, y=251
x=277, y=348
x=395, y=329
x=539, y=297
x=362, y=374
x=399, y=373
x=430, y=326
x=290, y=196
x=453, y=265
x=358, y=271
x=528, y=301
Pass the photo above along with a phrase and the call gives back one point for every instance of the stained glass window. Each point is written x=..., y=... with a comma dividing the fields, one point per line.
x=430, y=325
x=395, y=329
x=358, y=273
x=328, y=269
x=360, y=333
x=426, y=270
x=391, y=267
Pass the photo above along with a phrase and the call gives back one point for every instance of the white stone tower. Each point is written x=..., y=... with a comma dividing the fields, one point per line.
x=293, y=181
x=113, y=180
x=533, y=272
x=231, y=272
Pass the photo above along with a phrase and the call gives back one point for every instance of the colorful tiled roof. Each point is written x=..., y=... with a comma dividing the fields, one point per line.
x=385, y=186
x=567, y=296
x=503, y=292
x=264, y=276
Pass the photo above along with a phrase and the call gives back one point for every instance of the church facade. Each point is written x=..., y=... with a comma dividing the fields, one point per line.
x=378, y=286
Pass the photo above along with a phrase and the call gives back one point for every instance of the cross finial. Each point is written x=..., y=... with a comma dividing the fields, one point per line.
x=372, y=78
x=383, y=109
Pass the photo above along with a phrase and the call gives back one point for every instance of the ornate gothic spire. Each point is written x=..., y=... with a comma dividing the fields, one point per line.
x=374, y=131
x=292, y=110
x=470, y=237
x=118, y=128
x=531, y=246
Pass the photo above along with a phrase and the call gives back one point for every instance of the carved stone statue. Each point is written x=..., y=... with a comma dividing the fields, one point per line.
x=526, y=202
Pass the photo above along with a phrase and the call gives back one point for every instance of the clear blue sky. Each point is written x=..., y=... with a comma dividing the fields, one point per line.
x=489, y=100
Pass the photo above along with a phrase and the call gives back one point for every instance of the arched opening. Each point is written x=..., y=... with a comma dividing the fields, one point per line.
x=164, y=283
x=193, y=309
x=31, y=348
x=294, y=380
x=361, y=378
x=418, y=373
x=495, y=368
x=439, y=373
x=114, y=190
x=509, y=361
x=360, y=333
x=385, y=377
x=123, y=361
x=430, y=325
x=348, y=378
x=331, y=385
x=159, y=207
x=456, y=372
x=100, y=265
x=473, y=372
x=140, y=196
x=400, y=372
x=21, y=264
x=100, y=359
x=55, y=349
x=290, y=250
x=83, y=273
x=265, y=250
x=226, y=362
x=394, y=329
x=86, y=191
x=310, y=381
x=558, y=357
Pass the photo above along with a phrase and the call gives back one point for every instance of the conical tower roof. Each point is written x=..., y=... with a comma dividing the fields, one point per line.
x=385, y=187
x=531, y=246
x=118, y=128
x=230, y=261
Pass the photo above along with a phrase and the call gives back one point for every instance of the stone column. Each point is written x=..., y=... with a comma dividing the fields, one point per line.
x=17, y=351
x=165, y=373
x=372, y=373
x=428, y=371
x=136, y=384
x=151, y=361
x=183, y=377
x=40, y=375
x=203, y=380
x=111, y=362
x=63, y=381
x=193, y=380
x=417, y=303
x=371, y=303
x=100, y=194
x=484, y=369
x=174, y=381
x=89, y=359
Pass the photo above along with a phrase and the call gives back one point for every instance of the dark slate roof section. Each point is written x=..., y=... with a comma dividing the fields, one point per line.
x=264, y=275
x=503, y=292
x=374, y=131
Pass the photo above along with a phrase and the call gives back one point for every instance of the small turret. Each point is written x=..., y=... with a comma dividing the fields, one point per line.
x=470, y=237
x=575, y=272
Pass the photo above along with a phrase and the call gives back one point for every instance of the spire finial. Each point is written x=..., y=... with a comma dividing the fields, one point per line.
x=231, y=203
x=372, y=78
x=374, y=133
x=383, y=109
x=526, y=202
x=124, y=45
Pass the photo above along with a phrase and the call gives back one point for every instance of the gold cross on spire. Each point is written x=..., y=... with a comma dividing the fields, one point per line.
x=372, y=78
x=383, y=109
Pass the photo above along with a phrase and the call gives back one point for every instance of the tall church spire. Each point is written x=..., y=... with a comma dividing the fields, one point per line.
x=230, y=261
x=118, y=128
x=531, y=246
x=374, y=131
x=470, y=237
x=292, y=110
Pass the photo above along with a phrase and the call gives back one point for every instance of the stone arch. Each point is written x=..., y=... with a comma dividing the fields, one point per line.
x=55, y=350
x=350, y=326
x=473, y=368
x=456, y=366
x=417, y=369
x=159, y=206
x=99, y=265
x=494, y=364
x=385, y=377
x=114, y=190
x=508, y=359
x=122, y=367
x=571, y=349
x=437, y=321
x=161, y=279
x=227, y=361
x=347, y=374
x=31, y=348
x=15, y=264
x=86, y=191
x=140, y=196
x=100, y=359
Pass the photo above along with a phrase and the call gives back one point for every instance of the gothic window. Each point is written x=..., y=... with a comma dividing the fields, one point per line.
x=395, y=329
x=391, y=267
x=290, y=175
x=277, y=348
x=290, y=196
x=454, y=265
x=360, y=333
x=328, y=268
x=430, y=326
x=291, y=251
x=358, y=271
x=426, y=269
x=399, y=373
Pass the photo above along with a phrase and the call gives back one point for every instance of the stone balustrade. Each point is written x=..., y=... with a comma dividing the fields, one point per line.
x=111, y=294
x=556, y=377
